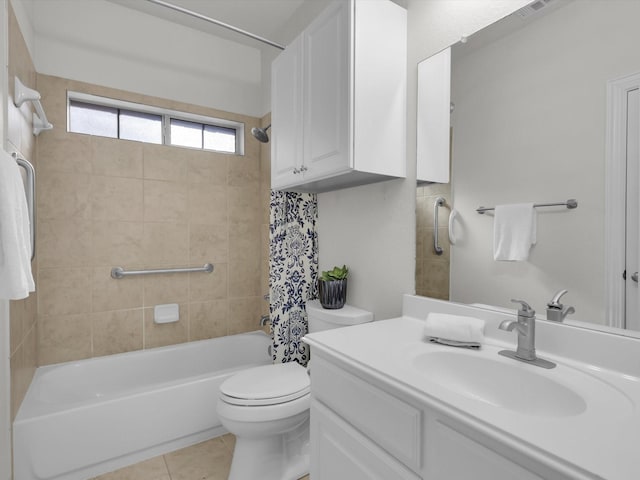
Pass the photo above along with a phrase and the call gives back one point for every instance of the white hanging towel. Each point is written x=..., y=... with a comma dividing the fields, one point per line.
x=16, y=279
x=514, y=231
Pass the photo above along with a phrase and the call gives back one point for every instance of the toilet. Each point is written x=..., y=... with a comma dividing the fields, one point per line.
x=267, y=408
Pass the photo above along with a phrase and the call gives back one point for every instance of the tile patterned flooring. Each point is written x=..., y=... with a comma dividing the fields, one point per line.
x=210, y=460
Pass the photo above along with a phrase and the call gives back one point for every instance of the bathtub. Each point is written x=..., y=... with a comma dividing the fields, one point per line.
x=82, y=419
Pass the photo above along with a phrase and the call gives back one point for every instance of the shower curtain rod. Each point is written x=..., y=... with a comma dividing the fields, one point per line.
x=216, y=22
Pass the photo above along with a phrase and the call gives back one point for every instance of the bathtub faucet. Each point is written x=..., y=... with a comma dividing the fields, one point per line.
x=264, y=319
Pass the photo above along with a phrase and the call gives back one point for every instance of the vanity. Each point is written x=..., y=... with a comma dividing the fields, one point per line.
x=386, y=404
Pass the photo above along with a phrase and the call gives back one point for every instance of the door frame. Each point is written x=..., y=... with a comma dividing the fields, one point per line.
x=615, y=197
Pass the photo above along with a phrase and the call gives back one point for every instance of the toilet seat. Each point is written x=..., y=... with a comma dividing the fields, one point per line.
x=266, y=385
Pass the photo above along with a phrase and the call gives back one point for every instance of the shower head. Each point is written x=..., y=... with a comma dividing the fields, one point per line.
x=261, y=134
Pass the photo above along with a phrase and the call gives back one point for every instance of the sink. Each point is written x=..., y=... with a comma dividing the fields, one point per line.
x=502, y=383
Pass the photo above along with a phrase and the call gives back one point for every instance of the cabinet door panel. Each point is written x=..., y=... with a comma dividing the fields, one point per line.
x=345, y=453
x=327, y=84
x=286, y=116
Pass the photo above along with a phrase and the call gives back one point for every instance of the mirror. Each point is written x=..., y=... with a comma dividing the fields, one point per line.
x=533, y=122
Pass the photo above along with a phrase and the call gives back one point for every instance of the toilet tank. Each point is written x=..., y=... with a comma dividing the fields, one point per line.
x=326, y=319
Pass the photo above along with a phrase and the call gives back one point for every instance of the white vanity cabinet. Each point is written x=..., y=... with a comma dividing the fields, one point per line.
x=364, y=429
x=339, y=100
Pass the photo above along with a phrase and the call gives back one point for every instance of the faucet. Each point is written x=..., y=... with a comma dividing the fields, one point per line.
x=525, y=325
x=555, y=310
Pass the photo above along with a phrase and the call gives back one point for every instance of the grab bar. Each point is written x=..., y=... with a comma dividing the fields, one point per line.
x=440, y=202
x=31, y=198
x=570, y=204
x=119, y=272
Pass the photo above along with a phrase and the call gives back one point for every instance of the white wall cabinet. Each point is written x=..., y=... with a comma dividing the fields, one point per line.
x=339, y=100
x=363, y=428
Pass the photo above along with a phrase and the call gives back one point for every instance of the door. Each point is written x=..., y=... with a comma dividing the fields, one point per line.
x=632, y=250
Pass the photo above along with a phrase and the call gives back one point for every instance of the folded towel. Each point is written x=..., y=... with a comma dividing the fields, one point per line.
x=514, y=231
x=454, y=330
x=16, y=279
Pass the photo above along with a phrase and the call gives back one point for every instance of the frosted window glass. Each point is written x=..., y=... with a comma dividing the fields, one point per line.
x=186, y=134
x=93, y=119
x=143, y=127
x=220, y=138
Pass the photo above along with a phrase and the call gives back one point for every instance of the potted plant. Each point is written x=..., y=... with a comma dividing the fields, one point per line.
x=332, y=287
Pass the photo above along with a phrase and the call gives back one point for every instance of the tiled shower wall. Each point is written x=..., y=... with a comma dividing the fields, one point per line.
x=20, y=139
x=432, y=271
x=106, y=202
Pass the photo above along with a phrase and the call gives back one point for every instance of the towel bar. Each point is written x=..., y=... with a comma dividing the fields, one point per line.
x=31, y=198
x=570, y=204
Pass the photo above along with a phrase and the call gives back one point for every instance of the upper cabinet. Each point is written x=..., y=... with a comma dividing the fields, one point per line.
x=339, y=100
x=434, y=112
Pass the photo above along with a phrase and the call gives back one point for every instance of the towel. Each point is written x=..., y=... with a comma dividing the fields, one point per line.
x=454, y=330
x=16, y=279
x=514, y=231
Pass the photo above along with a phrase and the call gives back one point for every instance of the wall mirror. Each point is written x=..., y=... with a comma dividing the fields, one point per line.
x=535, y=120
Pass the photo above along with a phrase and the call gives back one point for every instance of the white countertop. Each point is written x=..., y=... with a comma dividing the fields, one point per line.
x=602, y=441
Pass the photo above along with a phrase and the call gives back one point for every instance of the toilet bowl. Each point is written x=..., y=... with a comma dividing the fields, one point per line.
x=267, y=409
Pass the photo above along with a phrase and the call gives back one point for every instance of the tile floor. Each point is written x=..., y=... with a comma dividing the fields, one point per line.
x=210, y=460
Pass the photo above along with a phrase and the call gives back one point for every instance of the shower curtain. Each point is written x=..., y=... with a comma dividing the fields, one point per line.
x=293, y=271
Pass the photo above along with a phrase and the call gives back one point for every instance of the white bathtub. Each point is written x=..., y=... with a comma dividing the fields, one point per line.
x=82, y=419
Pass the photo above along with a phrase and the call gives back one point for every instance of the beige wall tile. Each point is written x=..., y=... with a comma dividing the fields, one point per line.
x=245, y=243
x=207, y=167
x=208, y=243
x=243, y=170
x=64, y=243
x=118, y=243
x=63, y=338
x=111, y=294
x=208, y=204
x=115, y=198
x=64, y=291
x=165, y=163
x=244, y=279
x=117, y=331
x=165, y=244
x=159, y=335
x=63, y=195
x=166, y=288
x=164, y=201
x=208, y=286
x=207, y=320
x=116, y=158
x=244, y=204
x=59, y=151
x=244, y=314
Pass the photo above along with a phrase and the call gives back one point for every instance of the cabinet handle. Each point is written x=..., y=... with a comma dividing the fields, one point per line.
x=296, y=171
x=303, y=168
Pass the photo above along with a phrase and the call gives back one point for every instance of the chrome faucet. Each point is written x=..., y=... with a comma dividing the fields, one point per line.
x=526, y=328
x=555, y=310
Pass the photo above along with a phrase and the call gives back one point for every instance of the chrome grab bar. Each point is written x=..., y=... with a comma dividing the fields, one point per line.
x=119, y=272
x=31, y=198
x=570, y=204
x=440, y=202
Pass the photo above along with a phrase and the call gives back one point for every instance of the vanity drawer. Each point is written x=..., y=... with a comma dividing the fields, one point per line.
x=340, y=451
x=390, y=422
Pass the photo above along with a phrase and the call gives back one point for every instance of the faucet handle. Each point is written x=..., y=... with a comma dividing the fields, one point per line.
x=555, y=301
x=525, y=309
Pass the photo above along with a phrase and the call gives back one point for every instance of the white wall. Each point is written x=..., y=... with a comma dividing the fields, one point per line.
x=104, y=43
x=529, y=125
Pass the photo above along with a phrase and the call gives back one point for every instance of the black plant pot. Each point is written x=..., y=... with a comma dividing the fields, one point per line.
x=332, y=293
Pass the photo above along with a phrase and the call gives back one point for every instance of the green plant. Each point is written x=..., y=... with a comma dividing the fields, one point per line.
x=336, y=274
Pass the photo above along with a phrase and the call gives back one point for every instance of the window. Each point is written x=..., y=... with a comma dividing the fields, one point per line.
x=106, y=117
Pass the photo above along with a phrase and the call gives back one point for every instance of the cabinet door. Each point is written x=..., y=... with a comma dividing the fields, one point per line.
x=327, y=47
x=338, y=451
x=286, y=116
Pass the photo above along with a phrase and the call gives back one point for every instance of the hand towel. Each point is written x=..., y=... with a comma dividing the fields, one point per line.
x=16, y=279
x=514, y=231
x=454, y=330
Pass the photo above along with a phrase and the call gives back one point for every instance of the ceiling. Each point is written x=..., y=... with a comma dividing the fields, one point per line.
x=264, y=18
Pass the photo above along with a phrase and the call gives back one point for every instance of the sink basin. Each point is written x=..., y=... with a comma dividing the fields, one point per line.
x=502, y=383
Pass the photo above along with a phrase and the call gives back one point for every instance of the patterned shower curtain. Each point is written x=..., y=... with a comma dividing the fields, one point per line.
x=293, y=272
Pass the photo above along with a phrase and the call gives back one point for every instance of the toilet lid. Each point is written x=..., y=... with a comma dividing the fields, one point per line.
x=266, y=385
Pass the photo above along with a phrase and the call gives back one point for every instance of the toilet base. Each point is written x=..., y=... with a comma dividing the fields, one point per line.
x=277, y=457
